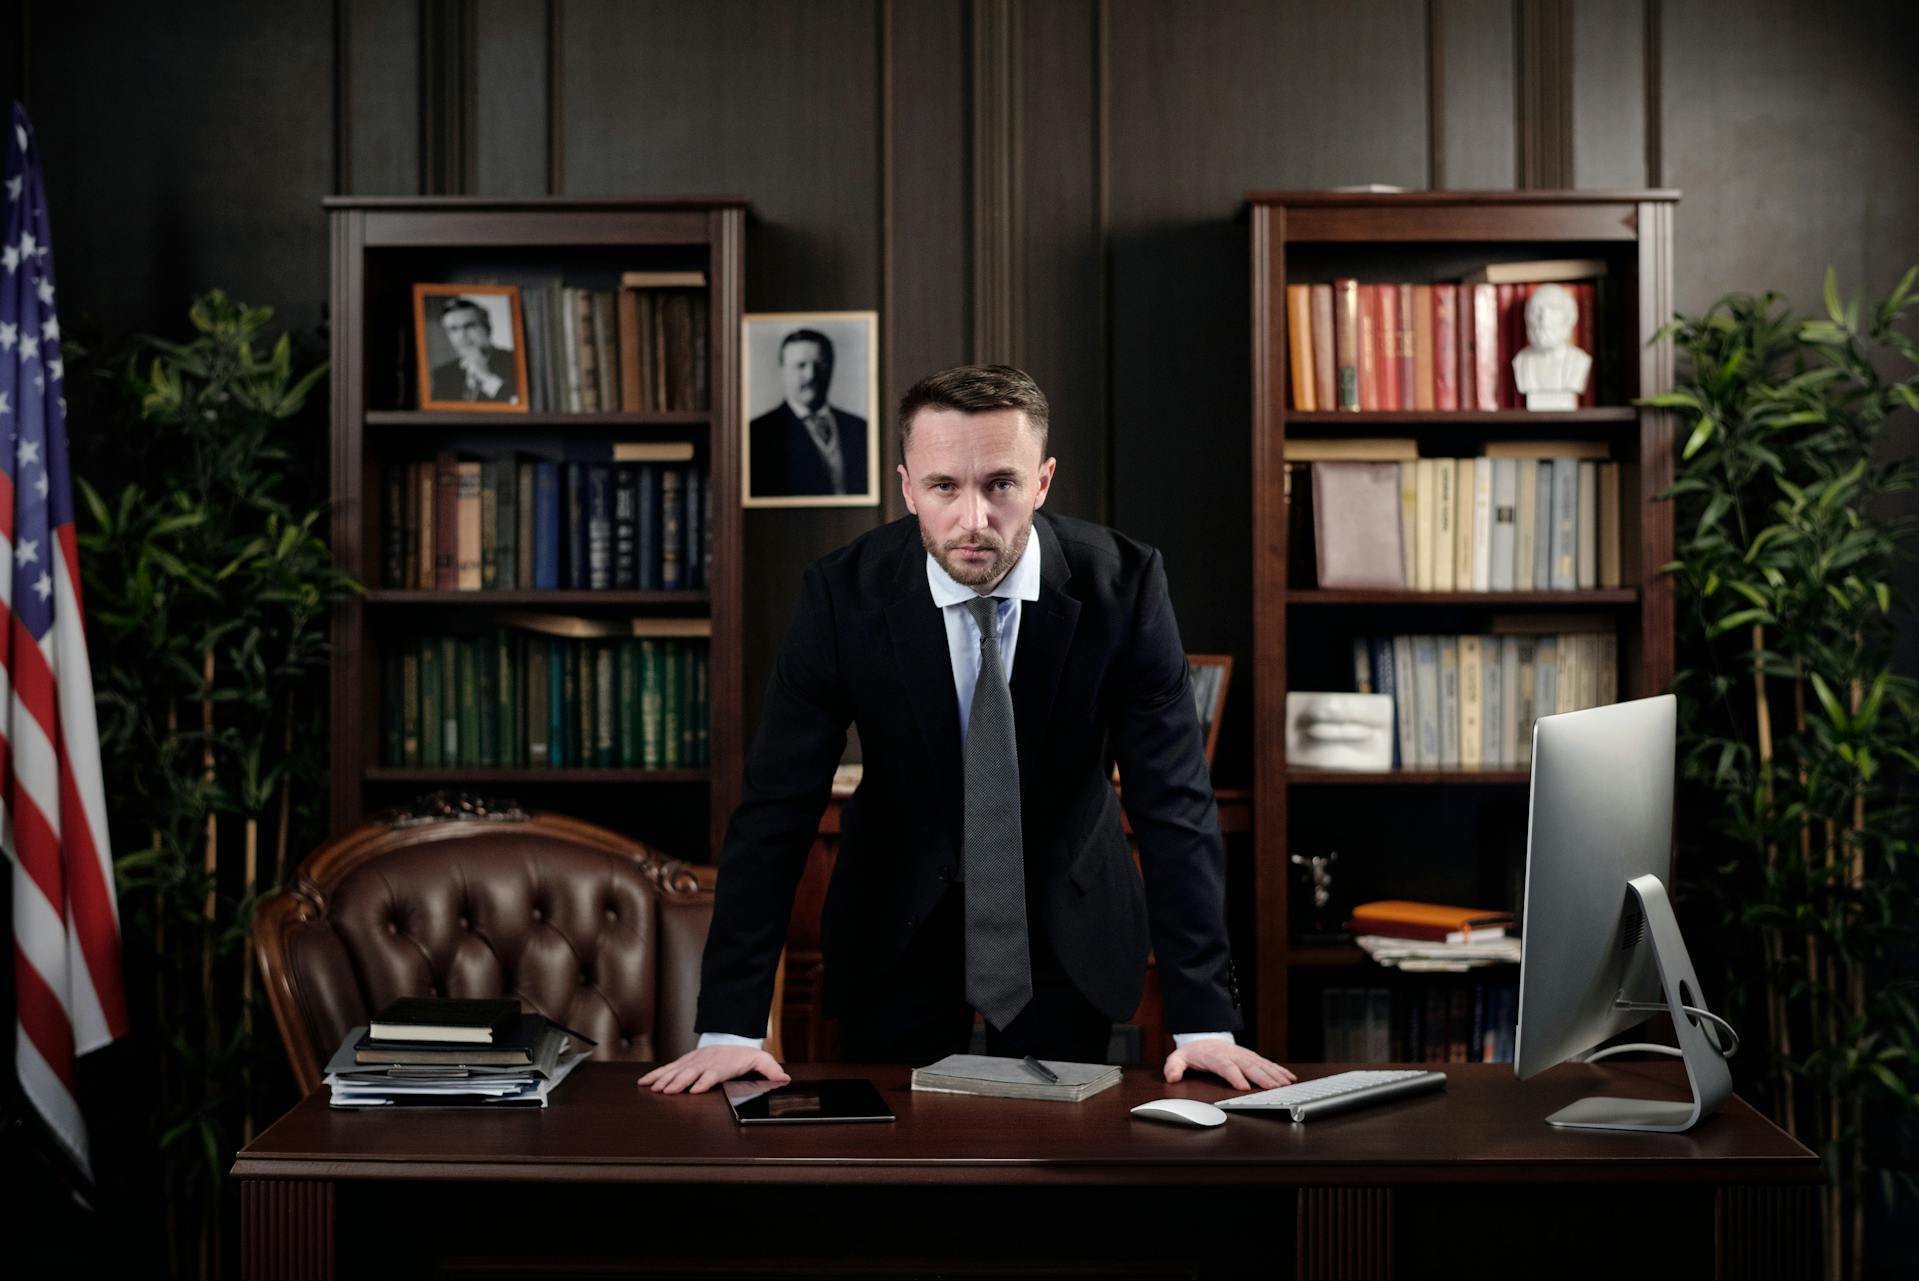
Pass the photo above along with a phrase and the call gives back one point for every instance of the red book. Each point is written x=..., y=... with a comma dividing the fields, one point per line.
x=1386, y=327
x=1484, y=340
x=1584, y=337
x=446, y=522
x=1324, y=372
x=1445, y=347
x=1508, y=390
x=1368, y=348
x=1403, y=349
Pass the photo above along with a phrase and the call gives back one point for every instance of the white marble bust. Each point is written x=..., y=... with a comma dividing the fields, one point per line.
x=1550, y=370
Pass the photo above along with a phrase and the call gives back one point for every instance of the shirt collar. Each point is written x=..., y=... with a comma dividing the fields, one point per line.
x=806, y=415
x=1020, y=583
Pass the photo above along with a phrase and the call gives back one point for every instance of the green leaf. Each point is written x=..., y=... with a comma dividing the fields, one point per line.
x=1835, y=713
x=1700, y=435
x=1739, y=619
x=1832, y=297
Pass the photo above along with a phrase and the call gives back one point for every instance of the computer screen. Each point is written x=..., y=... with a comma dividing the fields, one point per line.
x=1600, y=947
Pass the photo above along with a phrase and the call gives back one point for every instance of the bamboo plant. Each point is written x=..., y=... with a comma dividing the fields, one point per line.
x=1795, y=730
x=208, y=587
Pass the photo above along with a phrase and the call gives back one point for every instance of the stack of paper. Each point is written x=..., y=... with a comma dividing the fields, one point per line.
x=1013, y=1079
x=1417, y=954
x=358, y=1083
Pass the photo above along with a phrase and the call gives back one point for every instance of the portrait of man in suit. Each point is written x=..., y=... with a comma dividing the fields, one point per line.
x=806, y=447
x=989, y=653
x=469, y=347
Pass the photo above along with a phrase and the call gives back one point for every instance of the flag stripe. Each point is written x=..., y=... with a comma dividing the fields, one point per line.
x=44, y=1019
x=53, y=1099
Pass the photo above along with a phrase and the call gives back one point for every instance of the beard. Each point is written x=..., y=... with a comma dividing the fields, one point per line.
x=1006, y=554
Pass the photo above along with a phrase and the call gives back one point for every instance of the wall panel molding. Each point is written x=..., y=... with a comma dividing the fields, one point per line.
x=997, y=248
x=1545, y=99
x=447, y=97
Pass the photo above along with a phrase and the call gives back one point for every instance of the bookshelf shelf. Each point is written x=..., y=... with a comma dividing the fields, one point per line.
x=540, y=599
x=388, y=774
x=1451, y=834
x=397, y=418
x=382, y=248
x=1357, y=596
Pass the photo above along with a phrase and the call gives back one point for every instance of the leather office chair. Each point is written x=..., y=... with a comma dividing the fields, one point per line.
x=583, y=925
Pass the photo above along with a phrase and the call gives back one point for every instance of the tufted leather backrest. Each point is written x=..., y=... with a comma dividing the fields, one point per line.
x=581, y=924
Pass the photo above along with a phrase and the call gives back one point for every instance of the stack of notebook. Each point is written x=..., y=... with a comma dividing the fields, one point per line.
x=1014, y=1079
x=428, y=1052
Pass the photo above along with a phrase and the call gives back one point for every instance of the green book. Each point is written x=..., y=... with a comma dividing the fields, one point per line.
x=487, y=721
x=650, y=753
x=629, y=702
x=512, y=750
x=432, y=728
x=537, y=701
x=390, y=700
x=670, y=655
x=570, y=702
x=449, y=700
x=410, y=708
x=467, y=658
x=702, y=704
x=556, y=713
x=606, y=725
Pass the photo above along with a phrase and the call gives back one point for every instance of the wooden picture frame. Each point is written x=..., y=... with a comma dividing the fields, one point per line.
x=1211, y=674
x=484, y=314
x=780, y=466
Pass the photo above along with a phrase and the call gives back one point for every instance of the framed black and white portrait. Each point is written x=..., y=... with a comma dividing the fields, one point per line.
x=472, y=345
x=810, y=409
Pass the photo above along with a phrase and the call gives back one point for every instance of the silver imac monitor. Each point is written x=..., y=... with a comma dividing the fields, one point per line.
x=1600, y=947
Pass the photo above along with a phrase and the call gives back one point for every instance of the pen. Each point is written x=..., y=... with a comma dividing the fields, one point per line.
x=1044, y=1072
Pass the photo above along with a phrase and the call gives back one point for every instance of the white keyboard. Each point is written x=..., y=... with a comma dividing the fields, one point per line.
x=1337, y=1093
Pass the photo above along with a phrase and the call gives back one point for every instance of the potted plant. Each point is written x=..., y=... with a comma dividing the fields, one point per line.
x=1793, y=724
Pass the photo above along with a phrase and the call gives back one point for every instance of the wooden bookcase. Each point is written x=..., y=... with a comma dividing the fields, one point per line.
x=1448, y=835
x=381, y=248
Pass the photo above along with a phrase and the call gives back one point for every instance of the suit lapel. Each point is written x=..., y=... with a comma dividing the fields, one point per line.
x=1045, y=638
x=918, y=632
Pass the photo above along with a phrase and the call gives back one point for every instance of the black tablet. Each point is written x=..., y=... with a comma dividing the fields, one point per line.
x=839, y=1099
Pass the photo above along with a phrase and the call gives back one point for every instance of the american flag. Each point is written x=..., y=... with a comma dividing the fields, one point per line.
x=53, y=820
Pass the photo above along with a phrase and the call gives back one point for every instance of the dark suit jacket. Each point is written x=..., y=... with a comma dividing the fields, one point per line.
x=1098, y=655
x=787, y=462
x=449, y=380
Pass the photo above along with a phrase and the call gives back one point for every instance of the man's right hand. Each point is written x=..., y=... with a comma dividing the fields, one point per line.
x=701, y=1070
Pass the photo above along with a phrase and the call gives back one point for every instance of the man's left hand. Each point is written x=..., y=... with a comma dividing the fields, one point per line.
x=1238, y=1066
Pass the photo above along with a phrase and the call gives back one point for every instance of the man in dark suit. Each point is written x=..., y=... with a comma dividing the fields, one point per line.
x=989, y=655
x=479, y=371
x=803, y=445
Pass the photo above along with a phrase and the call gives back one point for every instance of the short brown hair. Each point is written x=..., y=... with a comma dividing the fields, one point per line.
x=972, y=389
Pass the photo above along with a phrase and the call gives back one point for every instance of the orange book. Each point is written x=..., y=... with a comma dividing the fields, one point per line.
x=1299, y=342
x=1422, y=346
x=1346, y=342
x=1325, y=372
x=1386, y=358
x=1368, y=331
x=1407, y=918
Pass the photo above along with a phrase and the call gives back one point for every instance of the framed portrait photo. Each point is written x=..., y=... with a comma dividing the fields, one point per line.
x=809, y=401
x=1210, y=675
x=472, y=345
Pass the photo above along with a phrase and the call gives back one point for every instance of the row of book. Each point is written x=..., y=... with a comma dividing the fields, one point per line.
x=1360, y=346
x=638, y=349
x=1507, y=520
x=1436, y=1023
x=508, y=699
x=512, y=523
x=1469, y=701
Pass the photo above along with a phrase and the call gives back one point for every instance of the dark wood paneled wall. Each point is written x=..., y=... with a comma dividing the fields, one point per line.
x=1055, y=183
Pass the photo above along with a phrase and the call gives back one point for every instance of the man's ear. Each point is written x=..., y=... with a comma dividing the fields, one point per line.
x=1045, y=482
x=906, y=490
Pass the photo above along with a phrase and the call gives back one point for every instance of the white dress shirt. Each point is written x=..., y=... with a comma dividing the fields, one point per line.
x=823, y=430
x=1020, y=585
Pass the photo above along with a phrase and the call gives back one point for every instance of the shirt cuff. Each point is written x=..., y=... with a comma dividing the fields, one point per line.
x=1183, y=1039
x=727, y=1038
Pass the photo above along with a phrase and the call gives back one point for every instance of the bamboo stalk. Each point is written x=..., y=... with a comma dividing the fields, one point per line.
x=212, y=859
x=1774, y=942
x=1855, y=882
x=246, y=981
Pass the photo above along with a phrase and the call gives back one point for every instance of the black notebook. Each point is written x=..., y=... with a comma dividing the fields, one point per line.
x=513, y=1049
x=442, y=1019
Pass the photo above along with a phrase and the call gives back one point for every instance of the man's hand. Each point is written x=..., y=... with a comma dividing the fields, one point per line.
x=474, y=362
x=701, y=1070
x=1238, y=1066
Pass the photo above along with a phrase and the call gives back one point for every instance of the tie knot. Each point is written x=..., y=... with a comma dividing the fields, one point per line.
x=985, y=612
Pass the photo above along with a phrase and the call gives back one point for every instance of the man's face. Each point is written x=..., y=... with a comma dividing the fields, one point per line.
x=808, y=372
x=467, y=329
x=974, y=481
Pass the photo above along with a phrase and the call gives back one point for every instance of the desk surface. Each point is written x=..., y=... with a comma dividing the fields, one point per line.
x=1485, y=1127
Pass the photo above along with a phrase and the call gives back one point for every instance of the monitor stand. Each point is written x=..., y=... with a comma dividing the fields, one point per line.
x=1706, y=1069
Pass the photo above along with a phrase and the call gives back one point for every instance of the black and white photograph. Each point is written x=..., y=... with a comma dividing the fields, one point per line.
x=810, y=398
x=472, y=345
x=1210, y=675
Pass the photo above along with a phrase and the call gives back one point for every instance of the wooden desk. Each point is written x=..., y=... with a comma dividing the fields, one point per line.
x=611, y=1181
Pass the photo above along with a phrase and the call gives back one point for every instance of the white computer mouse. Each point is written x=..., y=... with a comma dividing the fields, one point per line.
x=1180, y=1112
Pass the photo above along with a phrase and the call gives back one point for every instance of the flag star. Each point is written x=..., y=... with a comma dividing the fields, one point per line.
x=43, y=586
x=27, y=552
x=63, y=406
x=9, y=335
x=29, y=347
x=28, y=452
x=58, y=368
x=27, y=243
x=52, y=328
x=11, y=257
x=13, y=188
x=40, y=483
x=20, y=132
x=40, y=382
x=5, y=408
x=45, y=290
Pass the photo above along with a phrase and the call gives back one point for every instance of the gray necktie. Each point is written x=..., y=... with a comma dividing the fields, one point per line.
x=999, y=973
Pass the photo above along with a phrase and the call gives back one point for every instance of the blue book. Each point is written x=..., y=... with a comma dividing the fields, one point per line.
x=1385, y=681
x=546, y=526
x=626, y=514
x=694, y=559
x=575, y=526
x=599, y=526
x=649, y=527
